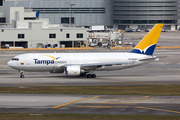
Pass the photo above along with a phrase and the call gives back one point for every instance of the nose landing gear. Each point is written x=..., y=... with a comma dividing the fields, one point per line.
x=21, y=74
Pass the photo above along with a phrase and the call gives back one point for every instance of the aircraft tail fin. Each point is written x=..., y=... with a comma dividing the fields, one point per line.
x=148, y=44
x=37, y=14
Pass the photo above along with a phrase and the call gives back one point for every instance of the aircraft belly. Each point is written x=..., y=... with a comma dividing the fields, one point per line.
x=35, y=68
x=58, y=69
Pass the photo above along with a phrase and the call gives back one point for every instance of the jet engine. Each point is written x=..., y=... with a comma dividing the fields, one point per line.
x=72, y=71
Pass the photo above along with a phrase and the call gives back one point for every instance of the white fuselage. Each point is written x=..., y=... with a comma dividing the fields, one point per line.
x=56, y=61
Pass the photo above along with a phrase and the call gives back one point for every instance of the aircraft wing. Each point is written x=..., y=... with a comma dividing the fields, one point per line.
x=103, y=64
x=96, y=65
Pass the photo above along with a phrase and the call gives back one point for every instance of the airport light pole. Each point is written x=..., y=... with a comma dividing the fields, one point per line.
x=15, y=3
x=30, y=5
x=70, y=22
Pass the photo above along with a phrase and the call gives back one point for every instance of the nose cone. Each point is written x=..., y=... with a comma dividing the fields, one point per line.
x=9, y=63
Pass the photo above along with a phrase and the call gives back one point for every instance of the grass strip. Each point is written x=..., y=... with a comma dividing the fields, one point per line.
x=164, y=90
x=26, y=116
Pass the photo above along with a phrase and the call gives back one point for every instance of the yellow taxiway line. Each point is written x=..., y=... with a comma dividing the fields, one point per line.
x=75, y=101
x=162, y=47
x=135, y=107
x=158, y=109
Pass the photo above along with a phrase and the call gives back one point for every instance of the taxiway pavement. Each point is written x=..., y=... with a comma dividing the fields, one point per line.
x=90, y=104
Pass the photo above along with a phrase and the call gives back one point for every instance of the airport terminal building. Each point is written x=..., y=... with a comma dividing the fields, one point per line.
x=118, y=13
x=81, y=12
x=144, y=14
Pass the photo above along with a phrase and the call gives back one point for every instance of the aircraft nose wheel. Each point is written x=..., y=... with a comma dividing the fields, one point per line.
x=21, y=74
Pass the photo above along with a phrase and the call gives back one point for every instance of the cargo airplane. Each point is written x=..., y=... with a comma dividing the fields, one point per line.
x=84, y=64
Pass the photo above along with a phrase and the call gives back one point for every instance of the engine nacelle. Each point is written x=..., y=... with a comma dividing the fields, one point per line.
x=72, y=71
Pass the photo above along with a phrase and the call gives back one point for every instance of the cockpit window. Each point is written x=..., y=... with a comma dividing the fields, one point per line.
x=16, y=59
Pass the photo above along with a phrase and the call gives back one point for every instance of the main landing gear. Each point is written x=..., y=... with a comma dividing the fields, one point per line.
x=91, y=76
x=88, y=75
x=21, y=74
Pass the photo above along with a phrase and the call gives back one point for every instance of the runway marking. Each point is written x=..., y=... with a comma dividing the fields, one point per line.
x=138, y=83
x=75, y=101
x=34, y=84
x=103, y=106
x=158, y=109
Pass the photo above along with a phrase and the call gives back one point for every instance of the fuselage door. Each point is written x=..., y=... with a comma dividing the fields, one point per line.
x=28, y=61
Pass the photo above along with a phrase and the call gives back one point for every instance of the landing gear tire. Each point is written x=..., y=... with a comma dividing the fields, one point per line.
x=93, y=76
x=21, y=76
x=89, y=75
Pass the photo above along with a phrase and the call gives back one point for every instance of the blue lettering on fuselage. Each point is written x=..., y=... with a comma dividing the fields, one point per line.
x=47, y=62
